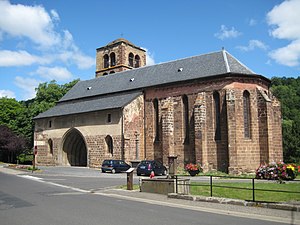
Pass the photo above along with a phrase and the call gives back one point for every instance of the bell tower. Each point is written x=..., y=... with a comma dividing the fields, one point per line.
x=117, y=56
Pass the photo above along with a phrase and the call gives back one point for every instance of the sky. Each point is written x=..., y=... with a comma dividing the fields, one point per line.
x=45, y=40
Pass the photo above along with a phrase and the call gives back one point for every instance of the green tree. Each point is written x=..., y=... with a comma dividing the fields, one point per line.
x=287, y=90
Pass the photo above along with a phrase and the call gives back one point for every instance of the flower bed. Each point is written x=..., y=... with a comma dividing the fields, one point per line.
x=277, y=171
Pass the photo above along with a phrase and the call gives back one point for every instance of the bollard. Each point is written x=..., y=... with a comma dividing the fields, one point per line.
x=130, y=179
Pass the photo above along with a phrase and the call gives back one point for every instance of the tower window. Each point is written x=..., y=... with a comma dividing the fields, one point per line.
x=216, y=97
x=247, y=114
x=137, y=61
x=109, y=144
x=112, y=59
x=106, y=61
x=130, y=59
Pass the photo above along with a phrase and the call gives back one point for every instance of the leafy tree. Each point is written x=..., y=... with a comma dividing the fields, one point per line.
x=11, y=145
x=287, y=90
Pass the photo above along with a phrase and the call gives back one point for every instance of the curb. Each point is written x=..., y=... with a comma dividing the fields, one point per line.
x=281, y=206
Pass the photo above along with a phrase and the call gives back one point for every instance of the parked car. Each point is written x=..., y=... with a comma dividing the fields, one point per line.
x=114, y=166
x=145, y=167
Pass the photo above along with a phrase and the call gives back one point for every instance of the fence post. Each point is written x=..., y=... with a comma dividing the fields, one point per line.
x=176, y=186
x=253, y=190
x=211, y=186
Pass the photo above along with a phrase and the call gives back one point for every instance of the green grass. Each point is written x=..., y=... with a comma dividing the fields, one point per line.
x=234, y=192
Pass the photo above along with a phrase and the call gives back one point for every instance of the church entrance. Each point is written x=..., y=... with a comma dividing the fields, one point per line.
x=74, y=149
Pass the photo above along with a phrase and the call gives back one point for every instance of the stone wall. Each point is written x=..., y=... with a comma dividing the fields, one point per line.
x=231, y=152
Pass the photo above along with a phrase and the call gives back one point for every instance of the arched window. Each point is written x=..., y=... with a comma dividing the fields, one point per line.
x=185, y=117
x=112, y=59
x=50, y=146
x=130, y=59
x=156, y=119
x=106, y=61
x=247, y=114
x=216, y=97
x=111, y=72
x=137, y=61
x=109, y=144
x=105, y=74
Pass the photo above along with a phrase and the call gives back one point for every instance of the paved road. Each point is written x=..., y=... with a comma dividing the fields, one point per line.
x=60, y=196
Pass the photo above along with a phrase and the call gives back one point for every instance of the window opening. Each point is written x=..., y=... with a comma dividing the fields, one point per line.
x=106, y=61
x=50, y=124
x=130, y=59
x=109, y=144
x=185, y=113
x=137, y=61
x=50, y=146
x=109, y=118
x=156, y=119
x=112, y=59
x=216, y=97
x=247, y=116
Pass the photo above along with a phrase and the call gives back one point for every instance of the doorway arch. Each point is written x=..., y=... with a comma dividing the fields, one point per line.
x=74, y=149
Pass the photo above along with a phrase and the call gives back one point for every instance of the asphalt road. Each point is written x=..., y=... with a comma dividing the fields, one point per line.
x=65, y=198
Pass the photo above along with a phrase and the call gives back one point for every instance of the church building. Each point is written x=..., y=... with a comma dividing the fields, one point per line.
x=208, y=109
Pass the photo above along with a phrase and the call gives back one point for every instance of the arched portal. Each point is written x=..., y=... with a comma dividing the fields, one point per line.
x=74, y=149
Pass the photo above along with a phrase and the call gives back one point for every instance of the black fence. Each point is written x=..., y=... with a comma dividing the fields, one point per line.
x=220, y=182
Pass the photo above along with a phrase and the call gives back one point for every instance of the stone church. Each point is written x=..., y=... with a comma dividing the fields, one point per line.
x=210, y=109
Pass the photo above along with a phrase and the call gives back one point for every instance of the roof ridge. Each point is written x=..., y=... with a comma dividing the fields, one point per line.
x=226, y=60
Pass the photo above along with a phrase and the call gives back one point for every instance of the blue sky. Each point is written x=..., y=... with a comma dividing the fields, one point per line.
x=44, y=40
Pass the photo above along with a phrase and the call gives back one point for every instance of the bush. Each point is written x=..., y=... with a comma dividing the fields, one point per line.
x=277, y=171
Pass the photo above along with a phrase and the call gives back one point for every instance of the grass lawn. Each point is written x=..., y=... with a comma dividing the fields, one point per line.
x=232, y=190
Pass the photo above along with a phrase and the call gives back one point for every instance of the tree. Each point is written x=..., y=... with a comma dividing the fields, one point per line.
x=11, y=145
x=287, y=90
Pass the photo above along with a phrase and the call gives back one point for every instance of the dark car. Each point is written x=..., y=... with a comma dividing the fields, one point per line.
x=145, y=167
x=114, y=166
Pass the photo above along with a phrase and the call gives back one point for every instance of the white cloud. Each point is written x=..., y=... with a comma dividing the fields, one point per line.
x=253, y=44
x=32, y=22
x=288, y=55
x=7, y=93
x=20, y=58
x=284, y=20
x=226, y=33
x=35, y=23
x=28, y=86
x=149, y=57
x=54, y=73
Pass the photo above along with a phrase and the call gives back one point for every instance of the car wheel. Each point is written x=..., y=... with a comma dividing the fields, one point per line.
x=103, y=171
x=138, y=174
x=113, y=171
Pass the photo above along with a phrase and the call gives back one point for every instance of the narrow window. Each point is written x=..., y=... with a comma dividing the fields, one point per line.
x=130, y=59
x=112, y=59
x=185, y=117
x=216, y=97
x=137, y=61
x=109, y=118
x=109, y=144
x=50, y=146
x=156, y=119
x=247, y=116
x=50, y=124
x=106, y=61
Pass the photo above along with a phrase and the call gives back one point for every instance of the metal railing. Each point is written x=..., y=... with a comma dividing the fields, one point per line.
x=223, y=179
